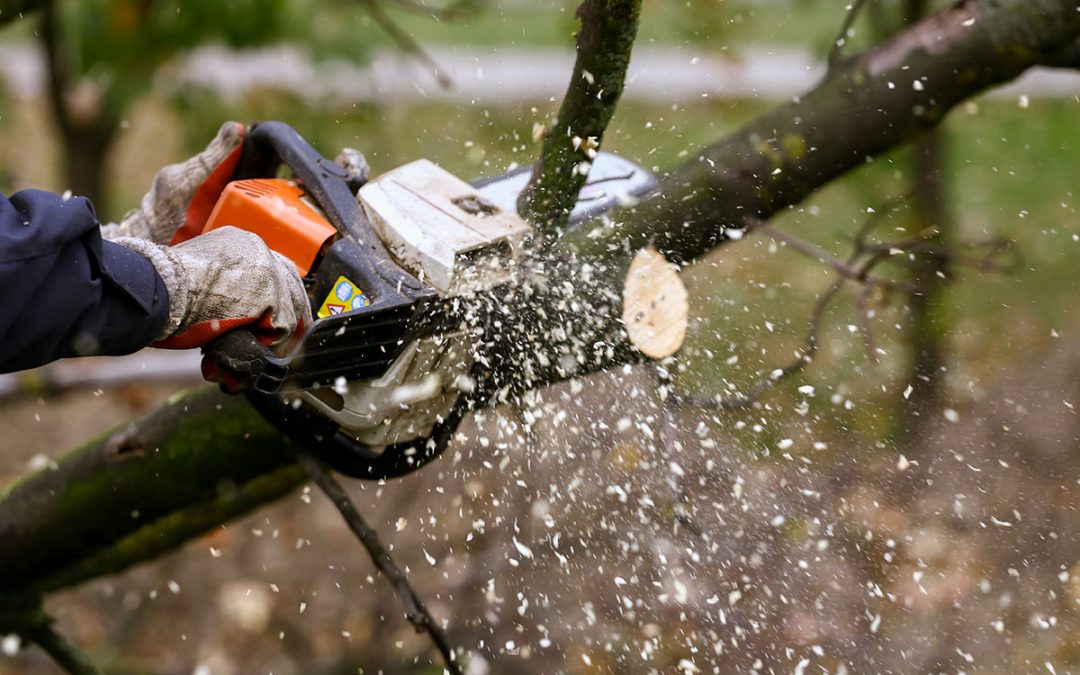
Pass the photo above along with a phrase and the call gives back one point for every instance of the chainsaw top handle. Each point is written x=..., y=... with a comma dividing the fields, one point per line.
x=269, y=145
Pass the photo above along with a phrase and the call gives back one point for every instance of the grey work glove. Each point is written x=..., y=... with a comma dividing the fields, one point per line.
x=224, y=280
x=220, y=281
x=183, y=195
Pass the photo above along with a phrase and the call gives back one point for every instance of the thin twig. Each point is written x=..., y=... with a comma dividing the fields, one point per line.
x=667, y=425
x=865, y=324
x=836, y=51
x=878, y=215
x=988, y=262
x=406, y=42
x=864, y=257
x=67, y=655
x=803, y=359
x=845, y=268
x=415, y=611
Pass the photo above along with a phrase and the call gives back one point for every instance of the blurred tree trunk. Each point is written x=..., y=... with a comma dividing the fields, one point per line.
x=87, y=124
x=929, y=323
x=86, y=147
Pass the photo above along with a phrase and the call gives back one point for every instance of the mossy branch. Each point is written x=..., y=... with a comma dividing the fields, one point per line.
x=141, y=490
x=604, y=42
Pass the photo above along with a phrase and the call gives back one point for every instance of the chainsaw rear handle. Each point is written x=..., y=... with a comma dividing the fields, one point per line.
x=269, y=145
x=246, y=362
x=396, y=296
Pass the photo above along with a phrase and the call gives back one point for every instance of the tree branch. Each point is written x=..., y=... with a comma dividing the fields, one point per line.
x=836, y=51
x=604, y=42
x=844, y=268
x=67, y=655
x=141, y=490
x=801, y=360
x=1068, y=57
x=405, y=41
x=863, y=259
x=865, y=107
x=450, y=12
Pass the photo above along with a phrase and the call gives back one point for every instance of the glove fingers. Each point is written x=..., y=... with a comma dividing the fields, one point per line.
x=183, y=194
x=299, y=305
x=222, y=158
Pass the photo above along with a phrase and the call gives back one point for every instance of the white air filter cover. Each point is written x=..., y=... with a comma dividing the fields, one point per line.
x=439, y=228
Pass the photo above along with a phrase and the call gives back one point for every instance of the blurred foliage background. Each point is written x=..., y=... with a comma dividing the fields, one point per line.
x=118, y=108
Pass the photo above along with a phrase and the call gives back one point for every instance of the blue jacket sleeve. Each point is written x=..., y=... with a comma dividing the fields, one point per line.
x=66, y=292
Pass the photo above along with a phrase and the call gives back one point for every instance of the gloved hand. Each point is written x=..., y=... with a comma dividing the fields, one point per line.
x=219, y=281
x=224, y=280
x=183, y=195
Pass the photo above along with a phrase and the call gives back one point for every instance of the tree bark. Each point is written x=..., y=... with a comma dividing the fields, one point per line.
x=866, y=106
x=604, y=42
x=139, y=491
x=58, y=527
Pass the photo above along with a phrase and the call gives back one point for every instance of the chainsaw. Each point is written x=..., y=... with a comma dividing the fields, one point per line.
x=377, y=384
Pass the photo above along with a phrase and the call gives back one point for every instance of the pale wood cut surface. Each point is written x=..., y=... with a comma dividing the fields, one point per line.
x=655, y=306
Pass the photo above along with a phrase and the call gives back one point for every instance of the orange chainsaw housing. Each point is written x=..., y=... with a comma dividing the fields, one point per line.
x=278, y=211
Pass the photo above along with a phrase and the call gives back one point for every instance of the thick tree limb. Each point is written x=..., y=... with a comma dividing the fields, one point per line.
x=139, y=491
x=1068, y=58
x=59, y=527
x=865, y=107
x=604, y=42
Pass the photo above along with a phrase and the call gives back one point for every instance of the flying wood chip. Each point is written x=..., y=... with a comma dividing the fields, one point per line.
x=655, y=307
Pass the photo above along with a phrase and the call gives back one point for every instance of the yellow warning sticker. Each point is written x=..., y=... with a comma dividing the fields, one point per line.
x=345, y=296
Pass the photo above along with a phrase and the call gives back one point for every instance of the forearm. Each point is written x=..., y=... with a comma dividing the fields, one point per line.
x=65, y=291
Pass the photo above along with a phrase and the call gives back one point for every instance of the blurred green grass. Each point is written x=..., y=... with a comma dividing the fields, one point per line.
x=707, y=23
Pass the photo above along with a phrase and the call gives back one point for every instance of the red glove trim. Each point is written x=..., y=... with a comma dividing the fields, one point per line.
x=203, y=332
x=207, y=194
